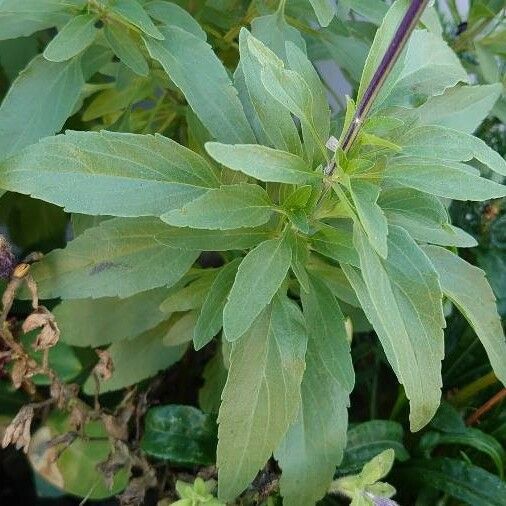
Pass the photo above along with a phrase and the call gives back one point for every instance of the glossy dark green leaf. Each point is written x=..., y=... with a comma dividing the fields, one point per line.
x=182, y=435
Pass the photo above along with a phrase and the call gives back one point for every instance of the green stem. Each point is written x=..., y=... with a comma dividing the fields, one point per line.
x=463, y=396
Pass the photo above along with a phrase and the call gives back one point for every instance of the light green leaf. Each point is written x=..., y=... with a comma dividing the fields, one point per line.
x=373, y=10
x=442, y=143
x=467, y=287
x=263, y=163
x=261, y=396
x=444, y=179
x=428, y=68
x=212, y=240
x=210, y=319
x=336, y=241
x=95, y=322
x=365, y=195
x=292, y=91
x=314, y=444
x=72, y=39
x=181, y=331
x=190, y=296
x=137, y=359
x=224, y=208
x=215, y=377
x=424, y=217
x=118, y=258
x=275, y=32
x=382, y=39
x=196, y=70
x=461, y=108
x=259, y=277
x=300, y=259
x=169, y=13
x=134, y=13
x=325, y=10
x=402, y=298
x=126, y=48
x=22, y=18
x=110, y=173
x=38, y=103
x=274, y=124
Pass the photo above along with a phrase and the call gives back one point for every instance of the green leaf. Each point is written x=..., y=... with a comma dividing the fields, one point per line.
x=468, y=483
x=423, y=216
x=444, y=179
x=116, y=259
x=95, y=322
x=181, y=331
x=368, y=439
x=261, y=396
x=224, y=208
x=292, y=91
x=365, y=195
x=75, y=470
x=314, y=444
x=199, y=74
x=38, y=103
x=325, y=10
x=118, y=174
x=382, y=39
x=447, y=144
x=469, y=437
x=373, y=10
x=182, y=435
x=72, y=39
x=428, y=68
x=20, y=19
x=461, y=108
x=273, y=124
x=190, y=296
x=134, y=13
x=212, y=240
x=136, y=359
x=336, y=241
x=258, y=278
x=215, y=377
x=126, y=48
x=210, y=319
x=467, y=287
x=402, y=299
x=263, y=163
x=169, y=13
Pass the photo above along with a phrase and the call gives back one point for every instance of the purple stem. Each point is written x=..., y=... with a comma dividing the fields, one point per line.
x=399, y=40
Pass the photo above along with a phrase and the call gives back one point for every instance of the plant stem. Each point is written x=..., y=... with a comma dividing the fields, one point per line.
x=485, y=408
x=469, y=391
x=397, y=44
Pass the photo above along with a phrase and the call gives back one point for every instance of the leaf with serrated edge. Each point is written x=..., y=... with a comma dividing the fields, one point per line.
x=111, y=173
x=258, y=278
x=262, y=394
x=402, y=299
x=224, y=208
x=467, y=287
x=120, y=257
x=314, y=444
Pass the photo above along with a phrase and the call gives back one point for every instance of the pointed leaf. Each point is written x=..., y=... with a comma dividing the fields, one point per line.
x=258, y=278
x=72, y=39
x=314, y=444
x=110, y=173
x=134, y=13
x=118, y=258
x=261, y=396
x=467, y=287
x=444, y=179
x=325, y=10
x=263, y=163
x=224, y=208
x=402, y=299
x=199, y=74
x=38, y=103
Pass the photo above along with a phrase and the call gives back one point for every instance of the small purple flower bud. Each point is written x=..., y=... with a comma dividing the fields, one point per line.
x=7, y=260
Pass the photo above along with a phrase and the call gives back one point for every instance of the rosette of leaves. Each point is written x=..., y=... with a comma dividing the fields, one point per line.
x=301, y=247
